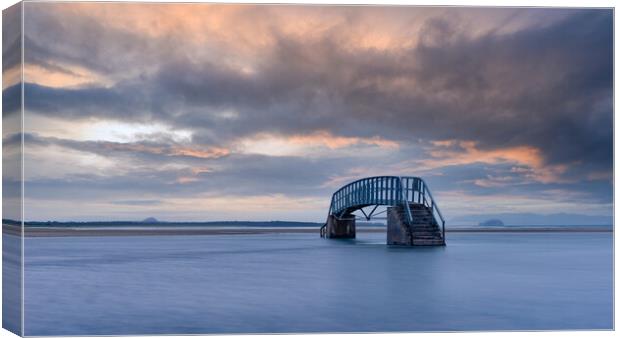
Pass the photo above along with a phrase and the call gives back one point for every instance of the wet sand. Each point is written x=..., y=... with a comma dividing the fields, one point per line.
x=48, y=231
x=171, y=231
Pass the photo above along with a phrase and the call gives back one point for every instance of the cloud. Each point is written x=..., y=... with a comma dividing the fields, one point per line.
x=11, y=47
x=138, y=202
x=105, y=148
x=528, y=160
x=164, y=169
x=530, y=87
x=515, y=99
x=459, y=202
x=11, y=100
x=57, y=77
x=319, y=143
x=198, y=153
x=335, y=142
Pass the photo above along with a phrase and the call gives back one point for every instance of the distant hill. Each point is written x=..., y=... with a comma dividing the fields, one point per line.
x=492, y=223
x=532, y=219
x=150, y=220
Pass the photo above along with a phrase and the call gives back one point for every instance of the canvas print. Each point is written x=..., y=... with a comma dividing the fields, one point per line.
x=194, y=168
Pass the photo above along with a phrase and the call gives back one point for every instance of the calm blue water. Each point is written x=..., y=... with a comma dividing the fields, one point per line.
x=301, y=283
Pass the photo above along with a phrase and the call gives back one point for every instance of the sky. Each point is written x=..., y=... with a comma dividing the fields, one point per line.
x=199, y=112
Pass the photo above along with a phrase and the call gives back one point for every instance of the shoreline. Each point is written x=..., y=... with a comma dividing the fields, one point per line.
x=169, y=231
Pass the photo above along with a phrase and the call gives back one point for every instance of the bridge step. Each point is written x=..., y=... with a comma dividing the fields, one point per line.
x=424, y=230
x=427, y=238
x=428, y=242
x=424, y=227
x=421, y=222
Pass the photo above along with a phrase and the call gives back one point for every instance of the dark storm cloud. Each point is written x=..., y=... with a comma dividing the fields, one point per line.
x=52, y=40
x=93, y=102
x=11, y=37
x=11, y=61
x=11, y=100
x=548, y=87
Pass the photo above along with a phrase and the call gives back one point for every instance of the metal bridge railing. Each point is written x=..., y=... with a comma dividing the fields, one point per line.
x=385, y=190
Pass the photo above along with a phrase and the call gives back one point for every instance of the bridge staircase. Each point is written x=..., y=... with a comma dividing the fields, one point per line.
x=422, y=230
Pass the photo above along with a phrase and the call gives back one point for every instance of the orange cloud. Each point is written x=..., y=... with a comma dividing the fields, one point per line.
x=11, y=76
x=187, y=151
x=464, y=152
x=193, y=177
x=325, y=138
x=530, y=160
x=214, y=152
x=72, y=76
x=201, y=170
x=186, y=179
x=248, y=30
x=304, y=144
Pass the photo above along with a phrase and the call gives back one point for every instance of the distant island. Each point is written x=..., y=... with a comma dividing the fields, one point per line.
x=532, y=219
x=492, y=223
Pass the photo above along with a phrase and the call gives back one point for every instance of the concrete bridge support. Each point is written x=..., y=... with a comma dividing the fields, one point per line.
x=343, y=227
x=397, y=233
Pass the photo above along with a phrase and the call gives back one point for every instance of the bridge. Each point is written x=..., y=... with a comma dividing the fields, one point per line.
x=413, y=217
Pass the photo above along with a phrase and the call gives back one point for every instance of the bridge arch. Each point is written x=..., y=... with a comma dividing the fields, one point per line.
x=411, y=209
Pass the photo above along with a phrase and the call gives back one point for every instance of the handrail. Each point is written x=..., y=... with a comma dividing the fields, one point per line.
x=380, y=193
x=403, y=196
x=434, y=208
x=427, y=189
x=385, y=190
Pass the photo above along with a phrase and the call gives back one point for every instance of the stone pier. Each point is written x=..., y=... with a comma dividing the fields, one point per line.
x=343, y=227
x=397, y=233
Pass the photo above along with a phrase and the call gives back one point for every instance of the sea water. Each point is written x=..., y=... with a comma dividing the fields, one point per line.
x=300, y=283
